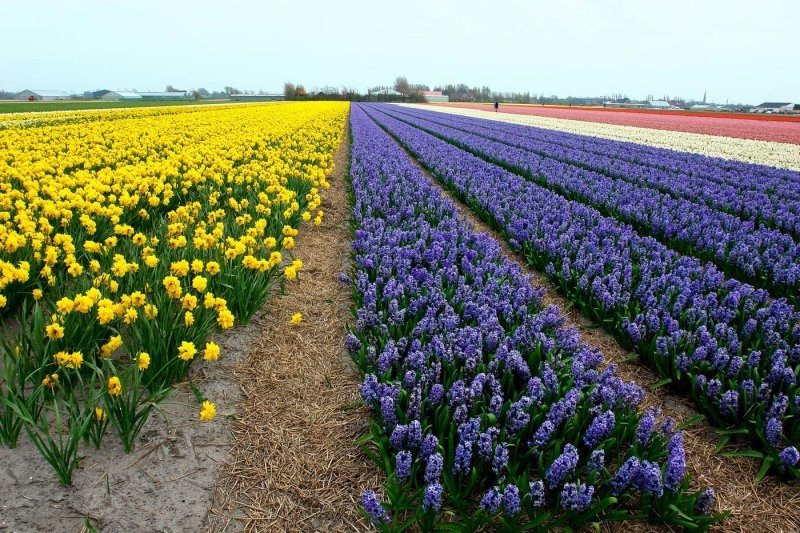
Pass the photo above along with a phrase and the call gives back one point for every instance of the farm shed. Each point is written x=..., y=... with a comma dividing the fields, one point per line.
x=660, y=104
x=42, y=95
x=773, y=107
x=435, y=96
x=164, y=95
x=120, y=95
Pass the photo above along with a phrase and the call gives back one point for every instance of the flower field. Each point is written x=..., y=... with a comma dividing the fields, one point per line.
x=128, y=238
x=431, y=371
x=777, y=128
x=762, y=152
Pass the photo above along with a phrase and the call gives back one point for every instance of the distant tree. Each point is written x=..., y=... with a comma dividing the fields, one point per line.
x=172, y=89
x=301, y=91
x=289, y=91
x=203, y=92
x=232, y=90
x=401, y=85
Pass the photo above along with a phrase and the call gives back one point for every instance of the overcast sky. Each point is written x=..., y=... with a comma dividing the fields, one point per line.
x=736, y=50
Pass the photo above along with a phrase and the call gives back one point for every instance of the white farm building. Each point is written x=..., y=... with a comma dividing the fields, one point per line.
x=120, y=95
x=435, y=96
x=42, y=95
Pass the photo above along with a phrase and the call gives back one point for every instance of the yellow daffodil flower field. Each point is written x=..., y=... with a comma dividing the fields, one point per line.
x=128, y=238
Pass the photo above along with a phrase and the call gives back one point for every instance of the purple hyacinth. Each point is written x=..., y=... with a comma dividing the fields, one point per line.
x=790, y=456
x=414, y=435
x=429, y=444
x=646, y=425
x=463, y=460
x=387, y=411
x=600, y=428
x=729, y=404
x=404, y=461
x=648, y=478
x=576, y=498
x=433, y=470
x=491, y=500
x=511, y=502
x=352, y=344
x=432, y=500
x=500, y=459
x=372, y=505
x=597, y=460
x=625, y=475
x=676, y=462
x=518, y=417
x=537, y=493
x=773, y=430
x=436, y=394
x=563, y=465
x=398, y=437
x=704, y=501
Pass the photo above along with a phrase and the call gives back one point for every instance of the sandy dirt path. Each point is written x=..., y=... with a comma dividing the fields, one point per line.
x=294, y=463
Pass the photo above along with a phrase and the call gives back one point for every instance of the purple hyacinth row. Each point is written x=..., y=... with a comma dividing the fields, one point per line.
x=487, y=408
x=767, y=195
x=761, y=256
x=737, y=351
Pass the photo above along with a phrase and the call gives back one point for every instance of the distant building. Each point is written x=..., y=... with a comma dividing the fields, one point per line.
x=165, y=95
x=434, y=96
x=119, y=95
x=628, y=104
x=42, y=95
x=388, y=92
x=773, y=107
x=704, y=107
x=660, y=104
x=274, y=97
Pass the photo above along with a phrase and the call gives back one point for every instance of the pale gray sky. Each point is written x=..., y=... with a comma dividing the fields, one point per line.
x=737, y=50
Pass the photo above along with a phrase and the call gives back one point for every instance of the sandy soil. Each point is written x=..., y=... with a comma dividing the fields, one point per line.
x=163, y=485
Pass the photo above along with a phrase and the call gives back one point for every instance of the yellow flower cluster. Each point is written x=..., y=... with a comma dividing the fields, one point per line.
x=138, y=232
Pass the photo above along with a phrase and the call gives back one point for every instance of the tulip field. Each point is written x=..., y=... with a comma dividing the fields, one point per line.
x=132, y=240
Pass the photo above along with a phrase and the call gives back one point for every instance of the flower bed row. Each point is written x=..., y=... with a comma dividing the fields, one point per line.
x=778, y=128
x=736, y=351
x=775, y=154
x=768, y=196
x=113, y=282
x=764, y=257
x=488, y=411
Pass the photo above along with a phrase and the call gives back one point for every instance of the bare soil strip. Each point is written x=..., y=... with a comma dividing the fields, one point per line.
x=294, y=464
x=163, y=485
x=766, y=507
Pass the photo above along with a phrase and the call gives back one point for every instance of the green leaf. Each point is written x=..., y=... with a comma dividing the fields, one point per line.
x=744, y=453
x=659, y=384
x=762, y=472
x=691, y=422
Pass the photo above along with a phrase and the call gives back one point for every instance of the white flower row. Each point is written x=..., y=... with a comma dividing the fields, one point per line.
x=782, y=155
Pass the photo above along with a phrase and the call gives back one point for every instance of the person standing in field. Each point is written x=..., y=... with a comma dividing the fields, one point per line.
x=496, y=105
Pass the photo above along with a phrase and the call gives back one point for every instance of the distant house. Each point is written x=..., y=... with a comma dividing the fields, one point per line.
x=773, y=107
x=704, y=107
x=435, y=96
x=119, y=95
x=165, y=95
x=42, y=95
x=274, y=97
